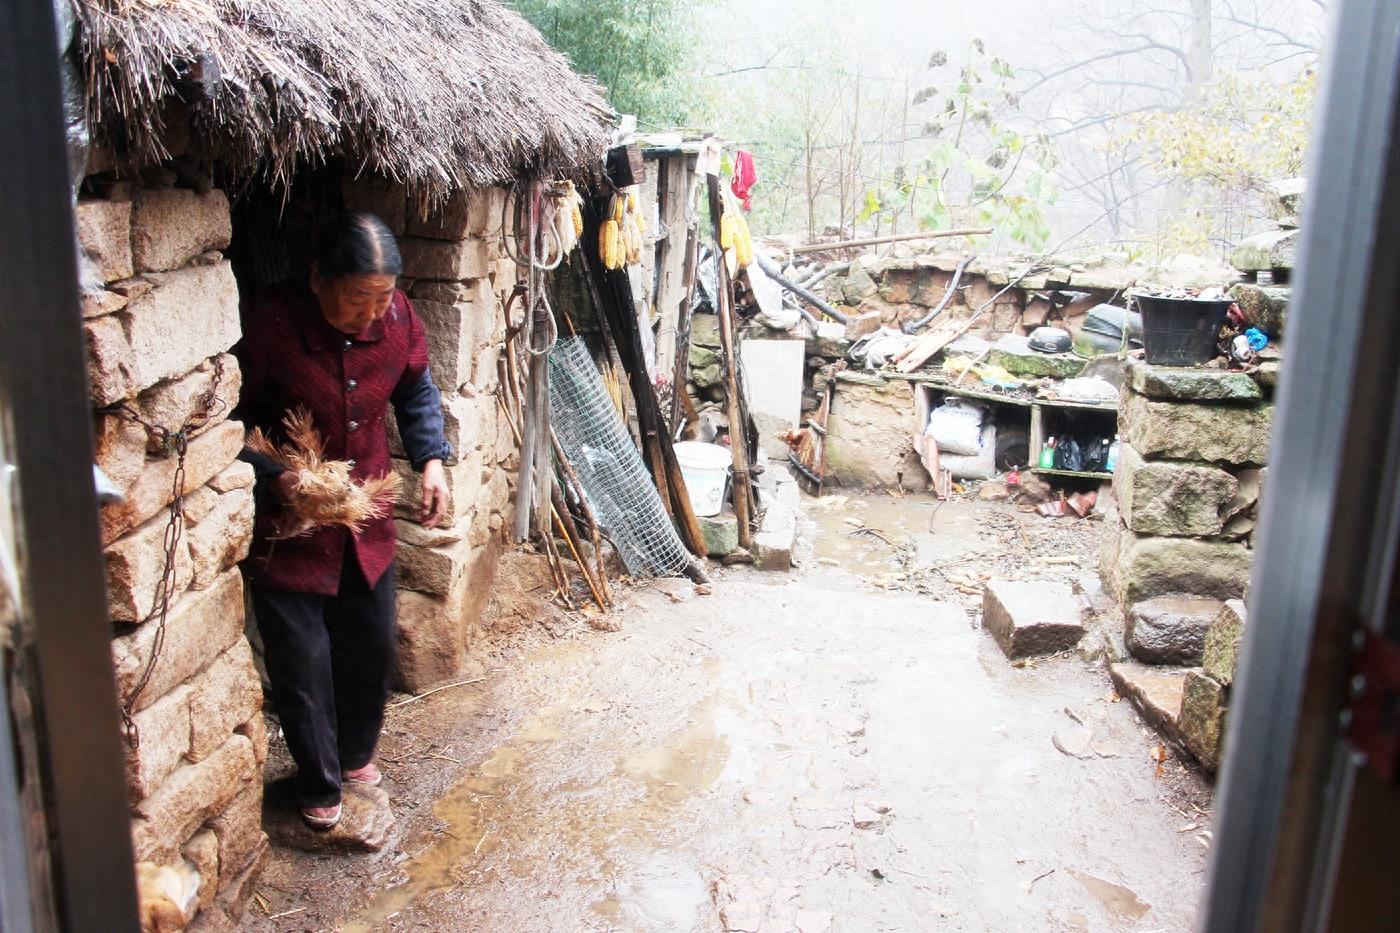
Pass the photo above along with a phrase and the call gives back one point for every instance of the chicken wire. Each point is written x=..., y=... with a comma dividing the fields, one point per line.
x=614, y=478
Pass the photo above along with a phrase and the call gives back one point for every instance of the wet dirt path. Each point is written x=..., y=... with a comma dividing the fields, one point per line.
x=791, y=753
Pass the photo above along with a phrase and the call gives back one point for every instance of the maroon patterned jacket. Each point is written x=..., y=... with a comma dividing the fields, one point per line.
x=291, y=356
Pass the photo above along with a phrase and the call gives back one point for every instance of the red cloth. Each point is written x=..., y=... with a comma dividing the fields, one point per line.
x=291, y=356
x=745, y=177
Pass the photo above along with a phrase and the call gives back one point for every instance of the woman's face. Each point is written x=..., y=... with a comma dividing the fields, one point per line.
x=354, y=302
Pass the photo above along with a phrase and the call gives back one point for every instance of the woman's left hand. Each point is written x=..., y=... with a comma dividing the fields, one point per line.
x=435, y=495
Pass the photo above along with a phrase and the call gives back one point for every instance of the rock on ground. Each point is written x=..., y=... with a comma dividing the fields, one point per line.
x=366, y=821
x=1031, y=618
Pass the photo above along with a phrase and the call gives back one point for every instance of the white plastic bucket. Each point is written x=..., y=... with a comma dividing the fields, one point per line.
x=705, y=468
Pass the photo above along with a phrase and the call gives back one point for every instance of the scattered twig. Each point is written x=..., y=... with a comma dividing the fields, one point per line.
x=414, y=699
x=287, y=913
x=479, y=842
x=1044, y=874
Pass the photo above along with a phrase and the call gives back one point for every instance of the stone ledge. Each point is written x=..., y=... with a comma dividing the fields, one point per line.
x=1191, y=384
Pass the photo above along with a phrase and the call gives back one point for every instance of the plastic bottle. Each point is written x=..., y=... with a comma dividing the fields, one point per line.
x=1047, y=455
x=1112, y=455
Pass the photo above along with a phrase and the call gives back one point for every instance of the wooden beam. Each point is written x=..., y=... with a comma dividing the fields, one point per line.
x=893, y=238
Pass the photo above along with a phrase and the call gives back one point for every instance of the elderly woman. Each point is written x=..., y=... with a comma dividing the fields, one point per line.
x=346, y=344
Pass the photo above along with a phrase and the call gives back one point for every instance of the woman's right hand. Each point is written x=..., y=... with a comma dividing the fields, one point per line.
x=284, y=486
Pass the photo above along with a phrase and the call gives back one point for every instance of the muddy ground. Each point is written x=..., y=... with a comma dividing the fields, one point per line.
x=837, y=749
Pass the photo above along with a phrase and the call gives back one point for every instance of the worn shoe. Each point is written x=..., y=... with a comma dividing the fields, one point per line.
x=321, y=817
x=369, y=775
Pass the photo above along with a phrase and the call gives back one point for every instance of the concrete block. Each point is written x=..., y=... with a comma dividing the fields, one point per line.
x=1203, y=707
x=452, y=260
x=171, y=226
x=135, y=568
x=190, y=316
x=110, y=362
x=201, y=626
x=202, y=851
x=1031, y=618
x=1231, y=434
x=1163, y=497
x=721, y=533
x=221, y=538
x=1191, y=384
x=1170, y=629
x=1014, y=354
x=189, y=798
x=164, y=728
x=434, y=570
x=104, y=235
x=171, y=403
x=208, y=455
x=225, y=695
x=776, y=538
x=1221, y=654
x=1149, y=567
x=1154, y=691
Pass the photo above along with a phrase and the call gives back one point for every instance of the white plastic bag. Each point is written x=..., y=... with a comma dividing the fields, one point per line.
x=957, y=427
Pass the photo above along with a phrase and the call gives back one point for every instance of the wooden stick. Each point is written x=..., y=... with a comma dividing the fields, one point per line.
x=614, y=295
x=594, y=531
x=417, y=697
x=738, y=433
x=895, y=238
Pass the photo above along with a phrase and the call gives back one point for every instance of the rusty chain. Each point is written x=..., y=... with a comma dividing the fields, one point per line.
x=171, y=443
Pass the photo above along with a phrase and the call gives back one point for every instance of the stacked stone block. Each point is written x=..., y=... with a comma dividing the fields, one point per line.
x=1195, y=442
x=160, y=312
x=458, y=277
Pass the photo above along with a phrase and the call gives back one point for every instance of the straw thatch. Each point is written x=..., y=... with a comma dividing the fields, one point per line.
x=437, y=94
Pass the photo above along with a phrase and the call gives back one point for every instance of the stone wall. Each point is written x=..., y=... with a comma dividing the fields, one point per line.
x=161, y=310
x=458, y=278
x=1195, y=444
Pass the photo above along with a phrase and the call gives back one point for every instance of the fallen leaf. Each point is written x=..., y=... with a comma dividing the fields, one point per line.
x=1159, y=755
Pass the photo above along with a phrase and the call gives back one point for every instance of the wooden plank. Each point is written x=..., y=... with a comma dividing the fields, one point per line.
x=1081, y=474
x=674, y=181
x=920, y=351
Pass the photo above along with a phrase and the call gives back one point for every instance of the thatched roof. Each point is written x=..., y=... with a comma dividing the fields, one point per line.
x=438, y=94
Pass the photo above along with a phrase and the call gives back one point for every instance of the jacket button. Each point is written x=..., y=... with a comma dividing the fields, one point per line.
x=350, y=464
x=348, y=344
x=351, y=385
x=353, y=426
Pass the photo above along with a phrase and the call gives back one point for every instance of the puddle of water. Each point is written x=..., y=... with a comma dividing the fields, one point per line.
x=896, y=519
x=1115, y=898
x=663, y=893
x=436, y=867
x=689, y=762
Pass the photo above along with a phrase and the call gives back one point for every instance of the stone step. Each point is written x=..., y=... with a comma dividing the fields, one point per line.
x=1156, y=692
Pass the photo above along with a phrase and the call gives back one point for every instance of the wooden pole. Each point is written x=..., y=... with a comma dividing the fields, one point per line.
x=895, y=238
x=738, y=433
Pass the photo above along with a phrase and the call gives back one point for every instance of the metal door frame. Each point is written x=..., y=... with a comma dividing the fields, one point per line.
x=65, y=638
x=1329, y=522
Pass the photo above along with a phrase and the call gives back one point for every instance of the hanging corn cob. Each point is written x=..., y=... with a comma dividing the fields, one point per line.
x=568, y=216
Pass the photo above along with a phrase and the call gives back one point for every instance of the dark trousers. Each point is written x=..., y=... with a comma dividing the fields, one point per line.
x=330, y=659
